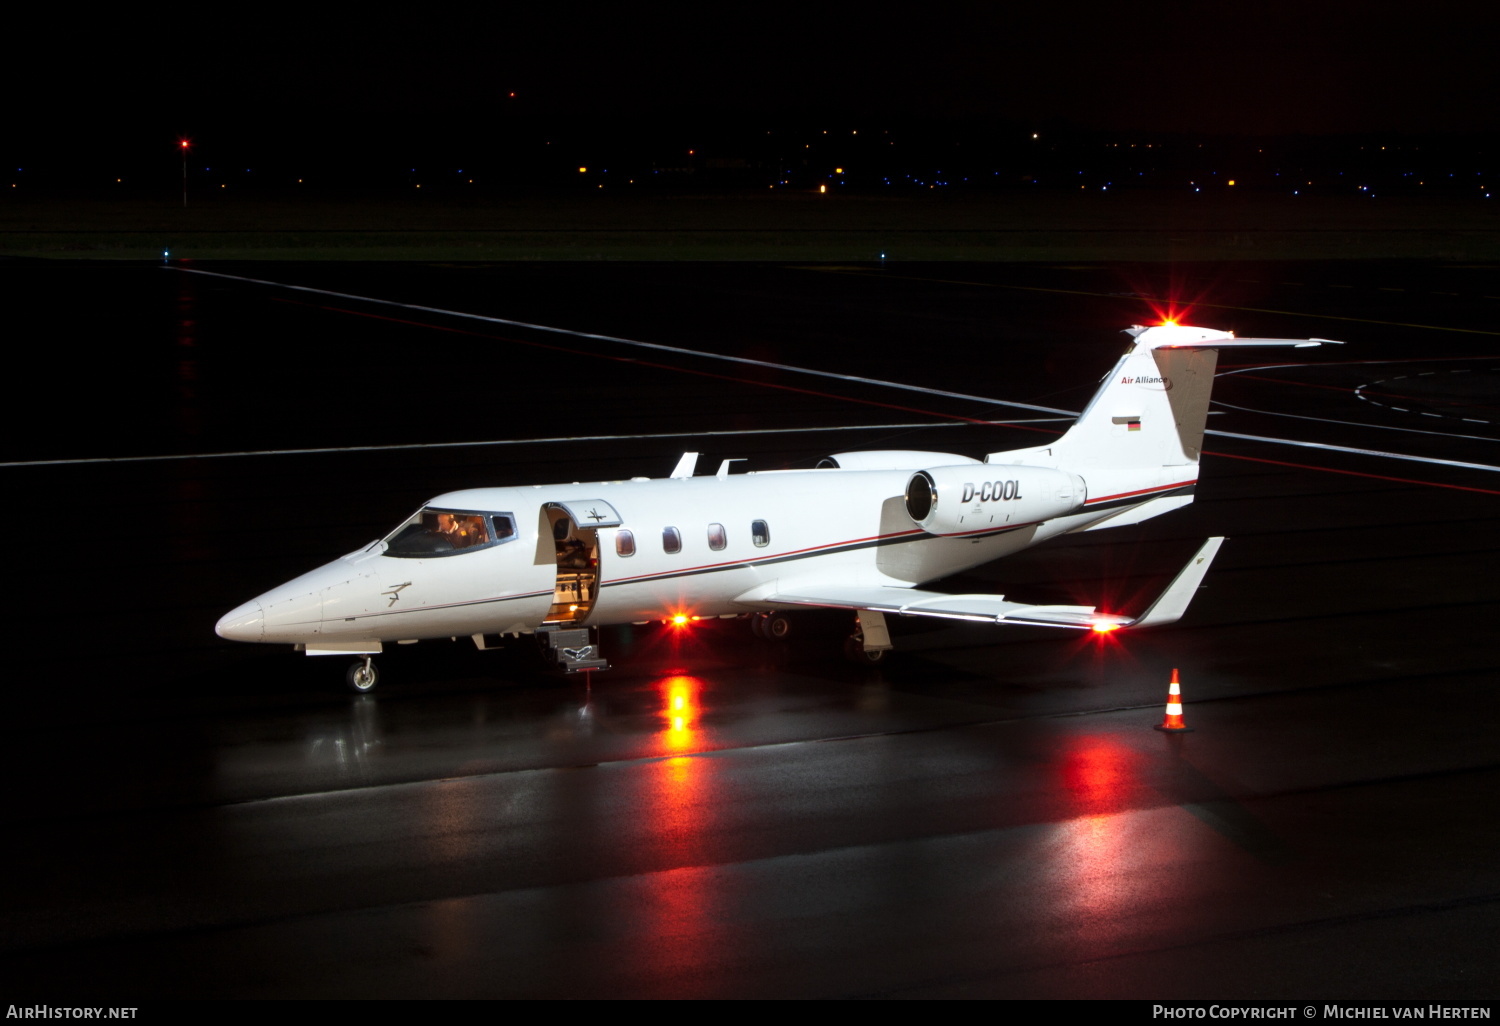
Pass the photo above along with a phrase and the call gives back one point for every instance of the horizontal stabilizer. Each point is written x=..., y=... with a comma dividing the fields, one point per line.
x=1168, y=608
x=1237, y=343
x=1182, y=336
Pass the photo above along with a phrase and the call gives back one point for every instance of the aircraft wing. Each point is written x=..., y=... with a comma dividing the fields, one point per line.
x=1168, y=608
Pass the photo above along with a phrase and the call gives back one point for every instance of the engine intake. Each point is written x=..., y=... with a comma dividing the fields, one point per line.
x=988, y=497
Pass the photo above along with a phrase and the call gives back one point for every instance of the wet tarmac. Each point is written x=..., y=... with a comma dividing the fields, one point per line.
x=988, y=814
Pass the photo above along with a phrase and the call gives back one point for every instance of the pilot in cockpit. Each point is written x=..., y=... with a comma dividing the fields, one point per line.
x=461, y=532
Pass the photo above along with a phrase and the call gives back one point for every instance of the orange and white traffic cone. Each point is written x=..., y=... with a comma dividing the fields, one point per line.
x=1173, y=723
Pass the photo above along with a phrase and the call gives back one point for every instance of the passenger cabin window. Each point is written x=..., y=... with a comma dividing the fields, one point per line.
x=717, y=539
x=760, y=533
x=624, y=543
x=440, y=532
x=671, y=539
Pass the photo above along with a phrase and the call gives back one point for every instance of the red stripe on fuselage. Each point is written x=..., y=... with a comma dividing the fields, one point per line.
x=1140, y=491
x=763, y=559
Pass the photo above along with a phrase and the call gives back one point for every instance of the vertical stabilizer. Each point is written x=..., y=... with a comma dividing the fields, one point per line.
x=1150, y=411
x=1142, y=433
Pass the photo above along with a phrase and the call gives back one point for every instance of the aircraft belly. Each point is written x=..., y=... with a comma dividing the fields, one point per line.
x=698, y=594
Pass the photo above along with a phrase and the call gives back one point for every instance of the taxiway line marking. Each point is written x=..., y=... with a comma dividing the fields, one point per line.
x=847, y=377
x=1299, y=384
x=1353, y=473
x=1195, y=304
x=912, y=409
x=1352, y=449
x=661, y=366
x=1358, y=424
x=511, y=441
x=682, y=350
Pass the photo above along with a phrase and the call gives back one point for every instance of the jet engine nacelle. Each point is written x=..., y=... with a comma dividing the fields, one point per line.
x=990, y=496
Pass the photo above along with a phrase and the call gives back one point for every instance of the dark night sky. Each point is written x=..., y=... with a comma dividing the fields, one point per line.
x=1248, y=68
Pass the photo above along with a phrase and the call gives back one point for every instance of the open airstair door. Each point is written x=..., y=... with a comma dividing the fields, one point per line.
x=575, y=535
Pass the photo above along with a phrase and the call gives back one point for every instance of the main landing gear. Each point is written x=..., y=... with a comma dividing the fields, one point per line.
x=771, y=626
x=857, y=652
x=362, y=675
x=867, y=646
x=870, y=642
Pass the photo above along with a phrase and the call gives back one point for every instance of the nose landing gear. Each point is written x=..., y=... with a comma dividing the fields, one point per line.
x=362, y=675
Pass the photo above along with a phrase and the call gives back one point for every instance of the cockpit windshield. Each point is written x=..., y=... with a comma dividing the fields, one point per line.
x=447, y=532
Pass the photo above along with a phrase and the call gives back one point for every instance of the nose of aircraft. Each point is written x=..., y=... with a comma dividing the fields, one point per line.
x=243, y=623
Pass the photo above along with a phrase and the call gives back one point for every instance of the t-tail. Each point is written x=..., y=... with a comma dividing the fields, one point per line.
x=1137, y=443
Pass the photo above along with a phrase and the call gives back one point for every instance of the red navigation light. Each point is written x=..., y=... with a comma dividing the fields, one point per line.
x=183, y=143
x=1171, y=312
x=680, y=620
x=1105, y=628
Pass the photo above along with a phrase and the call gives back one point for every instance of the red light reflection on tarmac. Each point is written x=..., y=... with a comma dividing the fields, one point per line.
x=680, y=697
x=681, y=827
x=1096, y=859
x=680, y=904
x=1101, y=775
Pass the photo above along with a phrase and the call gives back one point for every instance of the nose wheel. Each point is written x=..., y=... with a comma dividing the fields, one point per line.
x=362, y=675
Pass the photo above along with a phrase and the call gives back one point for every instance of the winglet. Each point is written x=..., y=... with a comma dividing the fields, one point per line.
x=1172, y=603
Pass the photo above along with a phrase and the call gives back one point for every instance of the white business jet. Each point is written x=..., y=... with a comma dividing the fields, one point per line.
x=861, y=532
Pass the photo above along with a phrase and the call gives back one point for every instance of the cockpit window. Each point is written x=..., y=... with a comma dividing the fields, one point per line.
x=444, y=532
